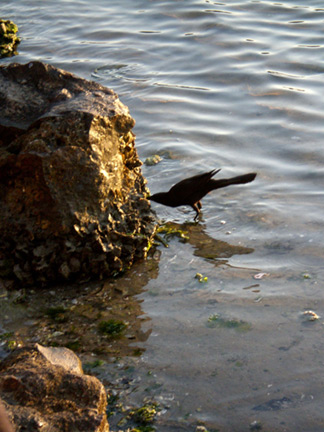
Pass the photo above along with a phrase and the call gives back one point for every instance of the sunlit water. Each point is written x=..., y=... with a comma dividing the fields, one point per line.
x=236, y=85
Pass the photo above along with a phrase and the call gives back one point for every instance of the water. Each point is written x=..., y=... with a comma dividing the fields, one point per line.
x=236, y=85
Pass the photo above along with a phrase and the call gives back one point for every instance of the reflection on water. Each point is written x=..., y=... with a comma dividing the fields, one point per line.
x=236, y=85
x=74, y=316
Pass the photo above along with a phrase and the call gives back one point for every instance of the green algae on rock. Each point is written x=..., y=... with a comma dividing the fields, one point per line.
x=73, y=198
x=8, y=38
x=145, y=414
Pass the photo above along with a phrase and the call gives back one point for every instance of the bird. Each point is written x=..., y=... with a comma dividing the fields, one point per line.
x=191, y=190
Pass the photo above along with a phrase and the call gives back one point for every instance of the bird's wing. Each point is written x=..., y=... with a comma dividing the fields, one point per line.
x=187, y=187
x=199, y=180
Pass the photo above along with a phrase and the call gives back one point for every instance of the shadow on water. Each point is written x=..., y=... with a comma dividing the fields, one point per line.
x=212, y=249
x=205, y=246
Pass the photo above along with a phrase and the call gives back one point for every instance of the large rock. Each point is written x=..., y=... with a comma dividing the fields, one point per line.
x=45, y=389
x=72, y=196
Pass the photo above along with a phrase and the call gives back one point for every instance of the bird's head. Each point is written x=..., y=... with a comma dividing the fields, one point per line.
x=161, y=198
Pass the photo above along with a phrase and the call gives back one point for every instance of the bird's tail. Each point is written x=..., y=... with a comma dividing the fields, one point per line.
x=246, y=178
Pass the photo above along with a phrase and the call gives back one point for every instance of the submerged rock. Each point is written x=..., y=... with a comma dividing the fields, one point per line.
x=46, y=389
x=72, y=196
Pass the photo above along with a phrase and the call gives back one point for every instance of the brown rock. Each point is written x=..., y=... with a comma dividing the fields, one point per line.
x=44, y=389
x=72, y=196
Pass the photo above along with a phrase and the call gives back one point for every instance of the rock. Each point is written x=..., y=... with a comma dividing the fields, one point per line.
x=5, y=424
x=72, y=196
x=45, y=389
x=152, y=160
x=201, y=429
x=8, y=38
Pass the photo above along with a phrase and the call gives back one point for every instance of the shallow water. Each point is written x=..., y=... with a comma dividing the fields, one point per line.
x=236, y=85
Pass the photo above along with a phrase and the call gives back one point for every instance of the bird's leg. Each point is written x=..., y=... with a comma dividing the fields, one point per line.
x=196, y=207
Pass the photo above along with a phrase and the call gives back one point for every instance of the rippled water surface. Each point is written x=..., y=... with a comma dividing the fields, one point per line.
x=236, y=85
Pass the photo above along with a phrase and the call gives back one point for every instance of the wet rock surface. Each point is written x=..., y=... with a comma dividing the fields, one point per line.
x=72, y=198
x=45, y=389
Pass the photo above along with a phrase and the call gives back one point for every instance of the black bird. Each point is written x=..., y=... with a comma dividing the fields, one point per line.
x=191, y=190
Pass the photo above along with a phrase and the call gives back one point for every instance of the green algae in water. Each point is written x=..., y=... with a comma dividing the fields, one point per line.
x=21, y=297
x=146, y=414
x=216, y=321
x=143, y=416
x=138, y=352
x=92, y=365
x=112, y=328
x=57, y=314
x=73, y=345
x=8, y=339
x=201, y=278
x=143, y=429
x=168, y=231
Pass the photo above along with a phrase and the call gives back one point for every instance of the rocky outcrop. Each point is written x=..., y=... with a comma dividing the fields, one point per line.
x=72, y=196
x=45, y=389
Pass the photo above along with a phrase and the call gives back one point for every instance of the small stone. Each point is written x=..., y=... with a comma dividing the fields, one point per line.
x=255, y=426
x=152, y=160
x=201, y=429
x=64, y=270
